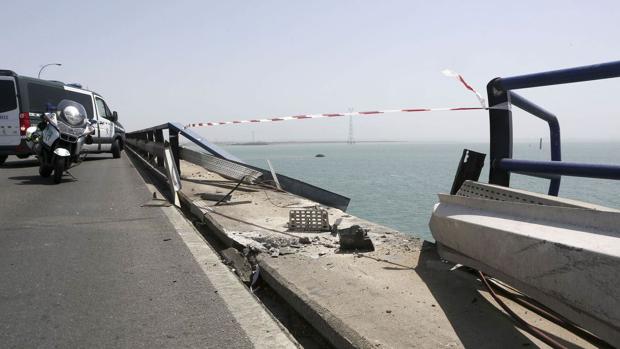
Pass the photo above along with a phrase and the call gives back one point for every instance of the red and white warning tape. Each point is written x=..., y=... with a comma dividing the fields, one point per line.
x=318, y=116
x=446, y=72
x=450, y=73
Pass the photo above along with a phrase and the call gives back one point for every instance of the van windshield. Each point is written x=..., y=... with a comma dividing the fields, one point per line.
x=8, y=100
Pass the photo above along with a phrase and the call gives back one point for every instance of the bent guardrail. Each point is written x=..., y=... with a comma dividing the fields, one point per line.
x=151, y=144
x=499, y=91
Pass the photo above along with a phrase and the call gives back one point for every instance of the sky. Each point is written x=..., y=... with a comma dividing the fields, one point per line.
x=201, y=61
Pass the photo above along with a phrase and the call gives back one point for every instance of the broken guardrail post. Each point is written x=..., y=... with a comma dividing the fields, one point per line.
x=470, y=167
x=172, y=172
x=173, y=136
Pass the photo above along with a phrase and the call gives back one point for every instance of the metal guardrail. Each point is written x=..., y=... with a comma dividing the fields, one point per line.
x=499, y=91
x=151, y=145
x=158, y=155
x=225, y=168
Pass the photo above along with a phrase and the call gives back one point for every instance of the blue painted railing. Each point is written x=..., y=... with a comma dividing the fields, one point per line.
x=500, y=121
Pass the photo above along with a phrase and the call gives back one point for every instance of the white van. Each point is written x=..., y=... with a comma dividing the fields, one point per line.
x=23, y=99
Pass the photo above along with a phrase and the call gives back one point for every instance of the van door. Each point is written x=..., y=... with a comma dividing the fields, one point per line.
x=106, y=127
x=9, y=112
x=94, y=147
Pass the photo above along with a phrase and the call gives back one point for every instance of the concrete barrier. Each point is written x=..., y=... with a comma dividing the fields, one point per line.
x=565, y=257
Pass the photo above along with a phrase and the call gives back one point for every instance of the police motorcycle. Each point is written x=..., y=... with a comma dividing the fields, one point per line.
x=58, y=139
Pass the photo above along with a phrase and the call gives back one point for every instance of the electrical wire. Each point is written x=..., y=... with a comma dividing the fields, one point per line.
x=211, y=210
x=535, y=306
x=230, y=192
x=535, y=331
x=285, y=206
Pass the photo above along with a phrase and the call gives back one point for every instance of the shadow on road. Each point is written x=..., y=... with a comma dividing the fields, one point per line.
x=38, y=180
x=95, y=158
x=21, y=163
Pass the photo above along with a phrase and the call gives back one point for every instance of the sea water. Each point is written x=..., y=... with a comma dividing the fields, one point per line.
x=396, y=184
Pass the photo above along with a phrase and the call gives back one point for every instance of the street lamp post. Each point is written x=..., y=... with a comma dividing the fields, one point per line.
x=46, y=65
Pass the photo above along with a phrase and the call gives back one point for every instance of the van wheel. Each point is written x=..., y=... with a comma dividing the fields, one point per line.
x=3, y=159
x=45, y=171
x=116, y=149
x=59, y=168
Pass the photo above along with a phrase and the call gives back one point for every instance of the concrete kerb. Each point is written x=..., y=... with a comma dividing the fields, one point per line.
x=213, y=226
x=329, y=326
x=411, y=301
x=261, y=327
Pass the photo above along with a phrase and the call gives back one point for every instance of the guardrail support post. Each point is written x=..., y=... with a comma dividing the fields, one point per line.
x=173, y=136
x=174, y=179
x=500, y=121
x=150, y=138
x=159, y=138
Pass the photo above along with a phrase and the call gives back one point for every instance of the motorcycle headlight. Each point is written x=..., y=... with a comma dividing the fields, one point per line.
x=72, y=115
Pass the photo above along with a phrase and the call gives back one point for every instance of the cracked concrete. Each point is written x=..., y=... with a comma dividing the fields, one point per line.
x=401, y=295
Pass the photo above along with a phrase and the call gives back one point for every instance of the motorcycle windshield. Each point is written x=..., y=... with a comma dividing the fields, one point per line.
x=72, y=113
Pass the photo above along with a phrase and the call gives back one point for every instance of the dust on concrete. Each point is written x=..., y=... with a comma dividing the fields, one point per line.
x=268, y=211
x=399, y=295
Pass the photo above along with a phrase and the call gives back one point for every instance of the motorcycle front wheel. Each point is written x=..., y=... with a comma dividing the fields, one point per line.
x=45, y=171
x=59, y=168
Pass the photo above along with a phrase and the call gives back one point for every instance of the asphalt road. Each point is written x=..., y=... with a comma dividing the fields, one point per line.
x=82, y=264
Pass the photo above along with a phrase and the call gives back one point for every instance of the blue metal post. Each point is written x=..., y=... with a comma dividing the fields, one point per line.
x=500, y=122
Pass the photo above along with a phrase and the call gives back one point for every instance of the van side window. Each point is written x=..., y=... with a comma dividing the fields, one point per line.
x=107, y=110
x=101, y=108
x=8, y=100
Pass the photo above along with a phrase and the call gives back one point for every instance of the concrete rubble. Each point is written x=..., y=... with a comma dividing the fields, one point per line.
x=401, y=295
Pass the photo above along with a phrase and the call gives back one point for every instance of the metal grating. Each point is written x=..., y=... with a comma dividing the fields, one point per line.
x=308, y=220
x=494, y=192
x=222, y=167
